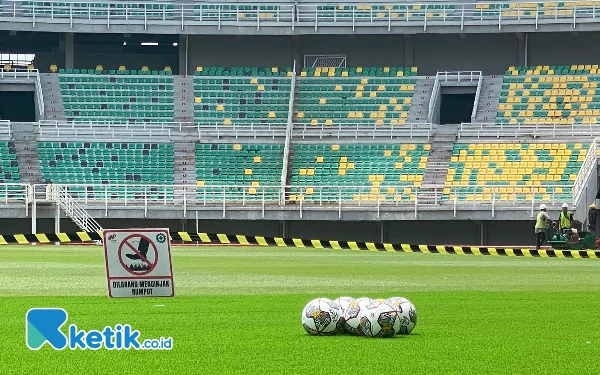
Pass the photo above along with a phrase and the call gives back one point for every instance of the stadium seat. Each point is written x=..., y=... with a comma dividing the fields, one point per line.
x=363, y=171
x=99, y=163
x=125, y=97
x=550, y=95
x=241, y=95
x=375, y=96
x=519, y=171
x=9, y=171
x=248, y=167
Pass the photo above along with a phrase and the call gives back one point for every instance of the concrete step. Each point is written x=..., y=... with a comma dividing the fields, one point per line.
x=28, y=156
x=183, y=98
x=419, y=108
x=489, y=97
x=54, y=107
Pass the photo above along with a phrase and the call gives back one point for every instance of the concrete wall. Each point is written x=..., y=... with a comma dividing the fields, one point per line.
x=563, y=48
x=259, y=51
x=457, y=232
x=490, y=53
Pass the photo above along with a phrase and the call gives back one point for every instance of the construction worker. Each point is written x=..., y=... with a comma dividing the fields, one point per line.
x=564, y=220
x=541, y=226
x=592, y=219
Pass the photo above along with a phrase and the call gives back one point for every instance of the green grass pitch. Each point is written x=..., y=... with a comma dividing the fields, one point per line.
x=237, y=310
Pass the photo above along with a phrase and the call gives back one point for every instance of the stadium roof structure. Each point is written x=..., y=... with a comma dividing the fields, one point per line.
x=302, y=17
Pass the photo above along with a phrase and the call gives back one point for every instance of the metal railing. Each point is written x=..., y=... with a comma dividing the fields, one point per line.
x=74, y=210
x=5, y=130
x=57, y=129
x=288, y=134
x=477, y=95
x=19, y=75
x=435, y=93
x=459, y=76
x=310, y=15
x=551, y=131
x=218, y=130
x=365, y=130
x=587, y=167
x=339, y=198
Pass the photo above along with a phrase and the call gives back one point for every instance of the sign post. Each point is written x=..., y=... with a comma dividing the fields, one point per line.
x=138, y=262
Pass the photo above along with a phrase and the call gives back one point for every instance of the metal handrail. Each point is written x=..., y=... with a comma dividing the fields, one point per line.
x=477, y=96
x=503, y=131
x=313, y=15
x=288, y=133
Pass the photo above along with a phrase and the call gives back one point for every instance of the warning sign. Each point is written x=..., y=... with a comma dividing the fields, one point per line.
x=138, y=263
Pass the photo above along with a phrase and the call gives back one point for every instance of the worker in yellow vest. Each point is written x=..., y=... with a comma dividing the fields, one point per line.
x=565, y=220
x=542, y=224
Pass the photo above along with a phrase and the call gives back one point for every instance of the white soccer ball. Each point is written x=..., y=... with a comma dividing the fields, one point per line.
x=363, y=301
x=379, y=319
x=408, y=318
x=396, y=301
x=344, y=302
x=352, y=318
x=322, y=316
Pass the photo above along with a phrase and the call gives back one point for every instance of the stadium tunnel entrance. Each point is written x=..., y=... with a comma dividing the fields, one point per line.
x=17, y=105
x=456, y=104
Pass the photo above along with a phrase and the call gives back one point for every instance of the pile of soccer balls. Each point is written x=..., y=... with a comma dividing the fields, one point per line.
x=361, y=317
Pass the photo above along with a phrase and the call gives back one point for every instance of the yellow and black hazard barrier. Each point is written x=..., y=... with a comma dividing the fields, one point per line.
x=227, y=239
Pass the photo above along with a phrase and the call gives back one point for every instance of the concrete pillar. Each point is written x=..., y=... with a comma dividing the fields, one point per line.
x=283, y=229
x=183, y=54
x=409, y=51
x=483, y=233
x=69, y=51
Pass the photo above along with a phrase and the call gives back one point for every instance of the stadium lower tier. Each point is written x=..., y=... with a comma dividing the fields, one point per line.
x=358, y=172
x=250, y=170
x=521, y=171
x=106, y=164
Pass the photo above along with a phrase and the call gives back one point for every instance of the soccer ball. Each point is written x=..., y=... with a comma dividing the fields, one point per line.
x=396, y=301
x=408, y=318
x=344, y=302
x=322, y=316
x=379, y=319
x=352, y=318
x=363, y=301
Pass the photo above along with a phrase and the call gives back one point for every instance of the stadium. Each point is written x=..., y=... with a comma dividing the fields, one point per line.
x=429, y=124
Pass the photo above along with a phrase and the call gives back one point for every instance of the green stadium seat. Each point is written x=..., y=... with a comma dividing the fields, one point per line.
x=121, y=98
x=109, y=164
x=252, y=168
x=365, y=172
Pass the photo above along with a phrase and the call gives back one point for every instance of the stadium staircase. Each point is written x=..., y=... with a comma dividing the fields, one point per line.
x=183, y=98
x=28, y=156
x=441, y=151
x=54, y=106
x=420, y=101
x=74, y=210
x=184, y=156
x=491, y=88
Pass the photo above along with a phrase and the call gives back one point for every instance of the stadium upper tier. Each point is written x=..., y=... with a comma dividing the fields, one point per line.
x=246, y=166
x=376, y=96
x=362, y=172
x=103, y=164
x=514, y=171
x=119, y=96
x=241, y=95
x=550, y=95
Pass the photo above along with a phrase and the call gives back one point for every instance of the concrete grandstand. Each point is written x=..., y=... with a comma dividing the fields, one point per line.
x=267, y=119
